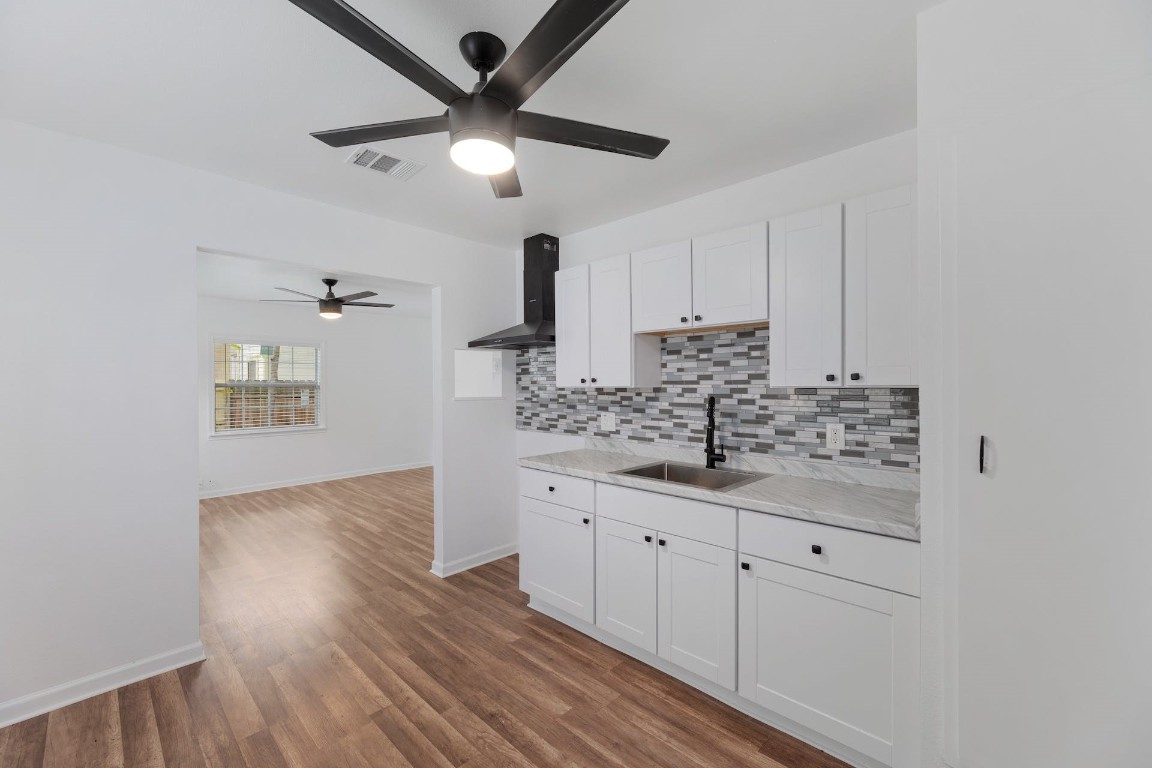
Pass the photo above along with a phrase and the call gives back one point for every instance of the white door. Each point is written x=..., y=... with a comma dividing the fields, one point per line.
x=839, y=657
x=730, y=276
x=662, y=287
x=880, y=289
x=626, y=582
x=557, y=555
x=697, y=614
x=611, y=323
x=572, y=327
x=805, y=285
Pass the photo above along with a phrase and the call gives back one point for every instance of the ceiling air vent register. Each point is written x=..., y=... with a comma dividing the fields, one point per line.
x=396, y=167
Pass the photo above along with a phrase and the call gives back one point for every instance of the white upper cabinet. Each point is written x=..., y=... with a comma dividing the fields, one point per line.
x=806, y=283
x=662, y=288
x=730, y=276
x=572, y=325
x=880, y=289
x=618, y=359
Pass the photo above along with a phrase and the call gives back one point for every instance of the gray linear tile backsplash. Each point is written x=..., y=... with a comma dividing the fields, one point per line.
x=881, y=424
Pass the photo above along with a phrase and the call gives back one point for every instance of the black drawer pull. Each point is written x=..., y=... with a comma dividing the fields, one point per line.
x=684, y=319
x=586, y=521
x=648, y=539
x=699, y=317
x=855, y=377
x=551, y=489
x=583, y=381
x=817, y=549
x=830, y=377
x=662, y=542
x=593, y=381
x=745, y=566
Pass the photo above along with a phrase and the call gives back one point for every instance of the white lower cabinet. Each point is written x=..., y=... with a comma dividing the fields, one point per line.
x=557, y=556
x=626, y=582
x=837, y=656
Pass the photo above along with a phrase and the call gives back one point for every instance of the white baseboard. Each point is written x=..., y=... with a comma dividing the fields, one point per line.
x=731, y=698
x=62, y=695
x=216, y=492
x=480, y=558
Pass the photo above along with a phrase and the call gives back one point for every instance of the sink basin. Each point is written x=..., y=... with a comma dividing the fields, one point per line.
x=690, y=474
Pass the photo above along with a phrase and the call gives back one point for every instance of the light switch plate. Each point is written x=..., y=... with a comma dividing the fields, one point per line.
x=834, y=437
x=607, y=422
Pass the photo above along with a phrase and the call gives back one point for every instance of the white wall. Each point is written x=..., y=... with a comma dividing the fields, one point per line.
x=98, y=463
x=376, y=397
x=1035, y=175
x=888, y=162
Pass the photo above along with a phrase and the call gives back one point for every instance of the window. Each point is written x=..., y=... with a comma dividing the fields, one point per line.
x=262, y=387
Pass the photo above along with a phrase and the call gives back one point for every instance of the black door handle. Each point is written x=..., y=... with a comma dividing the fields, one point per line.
x=684, y=319
x=855, y=377
x=662, y=542
x=817, y=549
x=551, y=489
x=583, y=381
x=593, y=381
x=698, y=317
x=585, y=521
x=745, y=566
x=648, y=539
x=830, y=377
x=982, y=441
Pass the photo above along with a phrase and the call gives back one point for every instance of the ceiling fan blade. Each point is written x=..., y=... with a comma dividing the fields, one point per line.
x=559, y=130
x=290, y=301
x=350, y=23
x=566, y=26
x=506, y=184
x=366, y=304
x=397, y=129
x=298, y=293
x=356, y=296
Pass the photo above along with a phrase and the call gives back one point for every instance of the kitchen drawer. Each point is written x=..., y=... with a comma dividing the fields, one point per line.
x=697, y=520
x=868, y=558
x=574, y=492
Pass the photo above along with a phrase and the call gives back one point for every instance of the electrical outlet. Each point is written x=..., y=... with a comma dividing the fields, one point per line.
x=607, y=422
x=834, y=437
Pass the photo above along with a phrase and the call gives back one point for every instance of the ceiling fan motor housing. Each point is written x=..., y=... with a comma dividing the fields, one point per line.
x=482, y=117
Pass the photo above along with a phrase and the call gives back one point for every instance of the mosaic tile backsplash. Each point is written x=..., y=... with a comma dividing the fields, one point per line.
x=881, y=424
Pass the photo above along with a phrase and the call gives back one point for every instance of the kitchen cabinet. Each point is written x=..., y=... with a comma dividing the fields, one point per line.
x=626, y=582
x=880, y=289
x=805, y=280
x=595, y=346
x=730, y=276
x=715, y=280
x=837, y=656
x=557, y=556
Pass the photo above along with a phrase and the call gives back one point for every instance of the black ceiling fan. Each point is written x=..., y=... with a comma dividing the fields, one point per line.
x=483, y=125
x=331, y=305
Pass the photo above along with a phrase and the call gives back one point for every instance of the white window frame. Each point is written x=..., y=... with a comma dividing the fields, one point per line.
x=232, y=434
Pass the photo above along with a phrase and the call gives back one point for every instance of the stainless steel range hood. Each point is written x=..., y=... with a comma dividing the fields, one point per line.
x=541, y=260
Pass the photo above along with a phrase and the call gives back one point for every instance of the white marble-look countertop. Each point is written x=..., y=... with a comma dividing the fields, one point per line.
x=886, y=511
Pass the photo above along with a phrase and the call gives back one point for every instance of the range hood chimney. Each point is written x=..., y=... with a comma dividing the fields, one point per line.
x=541, y=260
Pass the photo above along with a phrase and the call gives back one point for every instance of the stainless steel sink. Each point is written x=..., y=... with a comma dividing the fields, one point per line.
x=690, y=474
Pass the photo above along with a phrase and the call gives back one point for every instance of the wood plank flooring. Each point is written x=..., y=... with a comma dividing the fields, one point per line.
x=331, y=645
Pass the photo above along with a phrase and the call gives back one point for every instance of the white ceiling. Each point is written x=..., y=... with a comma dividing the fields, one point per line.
x=741, y=87
x=231, y=276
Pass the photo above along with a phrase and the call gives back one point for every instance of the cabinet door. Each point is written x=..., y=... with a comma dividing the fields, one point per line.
x=626, y=582
x=572, y=327
x=730, y=276
x=662, y=288
x=618, y=358
x=839, y=657
x=805, y=283
x=697, y=615
x=557, y=549
x=880, y=289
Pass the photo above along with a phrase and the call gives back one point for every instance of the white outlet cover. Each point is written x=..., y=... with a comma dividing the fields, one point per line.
x=834, y=437
x=607, y=422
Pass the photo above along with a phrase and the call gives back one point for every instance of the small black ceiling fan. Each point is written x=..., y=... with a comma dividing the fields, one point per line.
x=483, y=125
x=331, y=305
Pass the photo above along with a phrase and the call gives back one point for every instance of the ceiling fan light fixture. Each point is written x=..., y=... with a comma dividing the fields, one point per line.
x=484, y=156
x=483, y=135
x=331, y=309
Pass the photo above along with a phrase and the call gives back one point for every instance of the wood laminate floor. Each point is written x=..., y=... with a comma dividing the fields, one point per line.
x=330, y=644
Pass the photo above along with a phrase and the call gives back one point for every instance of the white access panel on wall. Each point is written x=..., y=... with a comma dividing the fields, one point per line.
x=880, y=289
x=662, y=287
x=572, y=326
x=730, y=276
x=806, y=285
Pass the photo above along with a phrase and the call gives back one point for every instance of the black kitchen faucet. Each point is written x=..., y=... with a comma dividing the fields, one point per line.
x=710, y=437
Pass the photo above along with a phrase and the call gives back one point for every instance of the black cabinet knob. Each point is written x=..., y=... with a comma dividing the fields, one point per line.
x=817, y=549
x=684, y=319
x=662, y=542
x=586, y=521
x=830, y=377
x=551, y=489
x=583, y=381
x=855, y=377
x=699, y=317
x=593, y=381
x=648, y=539
x=745, y=567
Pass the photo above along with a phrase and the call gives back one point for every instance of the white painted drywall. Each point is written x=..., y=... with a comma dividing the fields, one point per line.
x=376, y=397
x=98, y=457
x=878, y=165
x=1036, y=176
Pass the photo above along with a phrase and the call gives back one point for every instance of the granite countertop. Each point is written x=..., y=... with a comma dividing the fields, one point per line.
x=885, y=511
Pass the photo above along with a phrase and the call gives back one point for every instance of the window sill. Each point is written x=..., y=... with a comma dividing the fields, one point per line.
x=234, y=434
